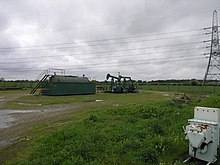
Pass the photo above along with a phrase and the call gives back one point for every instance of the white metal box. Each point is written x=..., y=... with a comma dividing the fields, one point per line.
x=208, y=114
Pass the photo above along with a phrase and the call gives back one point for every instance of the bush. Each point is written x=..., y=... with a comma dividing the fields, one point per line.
x=194, y=82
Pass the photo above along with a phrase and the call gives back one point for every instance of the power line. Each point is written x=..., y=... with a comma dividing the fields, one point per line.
x=116, y=56
x=99, y=58
x=109, y=39
x=125, y=42
x=103, y=65
x=129, y=63
x=132, y=49
x=110, y=51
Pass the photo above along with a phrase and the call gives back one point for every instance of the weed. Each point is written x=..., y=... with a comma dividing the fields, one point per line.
x=142, y=133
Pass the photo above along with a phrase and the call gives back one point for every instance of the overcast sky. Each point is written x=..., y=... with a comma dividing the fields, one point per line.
x=144, y=39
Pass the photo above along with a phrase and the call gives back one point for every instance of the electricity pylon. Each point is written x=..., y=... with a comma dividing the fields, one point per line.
x=213, y=69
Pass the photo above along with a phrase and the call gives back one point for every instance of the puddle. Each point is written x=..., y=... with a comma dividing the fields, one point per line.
x=20, y=103
x=27, y=111
x=2, y=99
x=5, y=143
x=98, y=100
x=92, y=100
x=8, y=142
x=6, y=116
x=203, y=96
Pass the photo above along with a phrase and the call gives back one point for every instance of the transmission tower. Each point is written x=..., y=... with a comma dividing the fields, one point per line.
x=213, y=69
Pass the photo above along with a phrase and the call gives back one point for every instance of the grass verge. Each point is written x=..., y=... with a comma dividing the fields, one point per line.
x=143, y=128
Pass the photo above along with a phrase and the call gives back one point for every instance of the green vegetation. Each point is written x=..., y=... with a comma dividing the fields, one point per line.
x=141, y=128
x=119, y=135
x=17, y=84
x=32, y=101
x=181, y=88
x=188, y=86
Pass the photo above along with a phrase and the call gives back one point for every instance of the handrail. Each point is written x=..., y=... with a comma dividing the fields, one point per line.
x=39, y=83
x=50, y=71
x=43, y=73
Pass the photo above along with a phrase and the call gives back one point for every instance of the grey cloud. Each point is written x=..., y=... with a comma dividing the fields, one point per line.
x=42, y=22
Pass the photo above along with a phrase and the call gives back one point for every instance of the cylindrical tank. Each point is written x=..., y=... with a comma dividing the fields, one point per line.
x=67, y=85
x=68, y=79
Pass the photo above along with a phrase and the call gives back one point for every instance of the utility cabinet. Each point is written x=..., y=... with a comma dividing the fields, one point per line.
x=203, y=134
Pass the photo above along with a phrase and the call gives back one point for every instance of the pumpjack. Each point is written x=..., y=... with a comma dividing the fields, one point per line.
x=121, y=84
x=115, y=86
x=128, y=84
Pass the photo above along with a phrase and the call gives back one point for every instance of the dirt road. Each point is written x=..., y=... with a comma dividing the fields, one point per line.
x=18, y=127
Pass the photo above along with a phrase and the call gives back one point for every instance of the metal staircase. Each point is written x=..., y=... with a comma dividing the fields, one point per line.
x=44, y=75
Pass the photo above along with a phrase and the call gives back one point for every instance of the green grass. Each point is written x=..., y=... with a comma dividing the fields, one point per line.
x=18, y=84
x=117, y=135
x=186, y=89
x=142, y=128
x=33, y=101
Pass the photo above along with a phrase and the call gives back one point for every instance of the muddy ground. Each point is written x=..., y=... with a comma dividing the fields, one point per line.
x=18, y=127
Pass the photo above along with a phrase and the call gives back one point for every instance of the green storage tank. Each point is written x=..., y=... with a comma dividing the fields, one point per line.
x=67, y=85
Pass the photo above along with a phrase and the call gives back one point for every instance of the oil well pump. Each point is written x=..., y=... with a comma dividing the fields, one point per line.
x=128, y=84
x=115, y=86
x=121, y=84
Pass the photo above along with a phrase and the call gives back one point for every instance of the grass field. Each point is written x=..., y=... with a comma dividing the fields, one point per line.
x=186, y=89
x=18, y=84
x=171, y=88
x=141, y=128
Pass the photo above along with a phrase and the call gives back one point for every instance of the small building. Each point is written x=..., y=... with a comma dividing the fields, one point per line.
x=67, y=85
